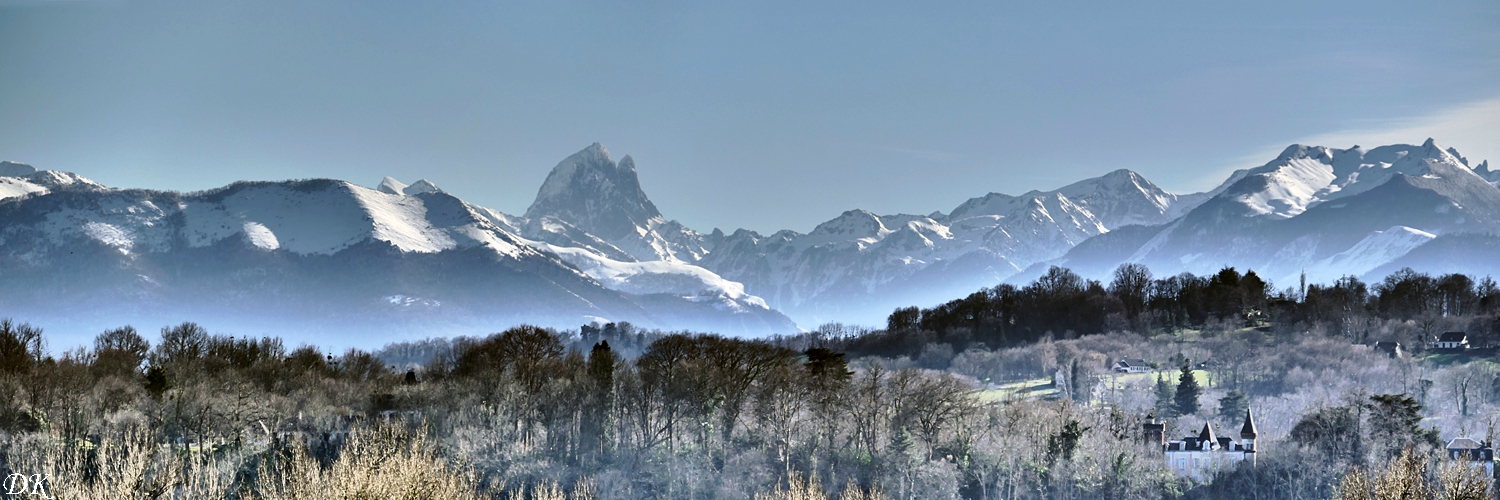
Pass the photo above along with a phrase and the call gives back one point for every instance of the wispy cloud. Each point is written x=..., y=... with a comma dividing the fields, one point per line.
x=1472, y=128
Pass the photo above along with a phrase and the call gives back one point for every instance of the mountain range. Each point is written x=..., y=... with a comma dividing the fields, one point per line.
x=399, y=261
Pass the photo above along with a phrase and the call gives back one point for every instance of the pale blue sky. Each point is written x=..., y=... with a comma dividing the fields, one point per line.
x=764, y=115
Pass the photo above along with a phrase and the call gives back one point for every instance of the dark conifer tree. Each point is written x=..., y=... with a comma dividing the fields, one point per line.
x=1232, y=407
x=1166, y=407
x=1187, y=391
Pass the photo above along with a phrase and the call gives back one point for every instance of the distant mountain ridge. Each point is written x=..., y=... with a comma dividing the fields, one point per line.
x=855, y=267
x=1315, y=210
x=592, y=245
x=326, y=256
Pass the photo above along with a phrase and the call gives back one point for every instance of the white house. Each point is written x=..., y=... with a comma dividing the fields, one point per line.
x=1197, y=456
x=1131, y=365
x=1452, y=340
x=1475, y=452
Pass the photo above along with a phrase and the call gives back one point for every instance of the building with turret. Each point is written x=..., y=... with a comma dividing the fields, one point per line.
x=1196, y=456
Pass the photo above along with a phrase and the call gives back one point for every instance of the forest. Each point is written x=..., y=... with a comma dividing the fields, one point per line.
x=1008, y=393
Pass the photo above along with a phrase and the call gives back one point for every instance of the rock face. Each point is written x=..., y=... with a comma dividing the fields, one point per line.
x=593, y=194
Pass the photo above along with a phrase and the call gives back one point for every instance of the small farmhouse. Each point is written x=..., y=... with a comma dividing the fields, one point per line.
x=1452, y=340
x=1389, y=349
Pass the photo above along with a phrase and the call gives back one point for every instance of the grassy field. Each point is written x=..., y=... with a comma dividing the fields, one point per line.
x=1043, y=387
x=1026, y=389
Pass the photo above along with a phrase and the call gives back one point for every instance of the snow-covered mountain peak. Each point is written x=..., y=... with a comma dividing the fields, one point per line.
x=19, y=179
x=14, y=169
x=990, y=204
x=851, y=224
x=1301, y=151
x=390, y=185
x=1304, y=176
x=1118, y=198
x=422, y=186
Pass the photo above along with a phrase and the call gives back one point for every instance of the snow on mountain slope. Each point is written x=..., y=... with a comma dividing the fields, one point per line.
x=389, y=185
x=611, y=266
x=1377, y=249
x=11, y=187
x=1304, y=176
x=1287, y=187
x=589, y=202
x=260, y=244
x=859, y=265
x=1123, y=197
x=14, y=169
x=20, y=179
x=659, y=277
x=1327, y=212
x=1119, y=198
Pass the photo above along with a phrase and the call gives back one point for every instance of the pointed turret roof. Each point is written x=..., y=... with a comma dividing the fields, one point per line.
x=1206, y=437
x=1248, y=430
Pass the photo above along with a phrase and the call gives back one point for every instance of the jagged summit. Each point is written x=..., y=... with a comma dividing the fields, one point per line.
x=1118, y=198
x=592, y=192
x=1305, y=176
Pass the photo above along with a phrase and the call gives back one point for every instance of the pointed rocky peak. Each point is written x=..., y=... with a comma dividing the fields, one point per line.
x=1483, y=170
x=13, y=169
x=1461, y=159
x=592, y=192
x=1431, y=150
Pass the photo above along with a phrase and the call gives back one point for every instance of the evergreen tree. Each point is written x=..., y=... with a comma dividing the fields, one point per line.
x=1187, y=391
x=1165, y=406
x=595, y=424
x=1065, y=442
x=1077, y=383
x=1232, y=407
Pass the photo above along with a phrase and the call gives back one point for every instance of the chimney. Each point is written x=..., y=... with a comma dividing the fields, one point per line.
x=1155, y=433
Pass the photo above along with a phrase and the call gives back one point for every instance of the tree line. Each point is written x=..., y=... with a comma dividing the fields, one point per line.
x=1060, y=303
x=917, y=410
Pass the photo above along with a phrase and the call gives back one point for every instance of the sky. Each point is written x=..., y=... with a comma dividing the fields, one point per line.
x=761, y=115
